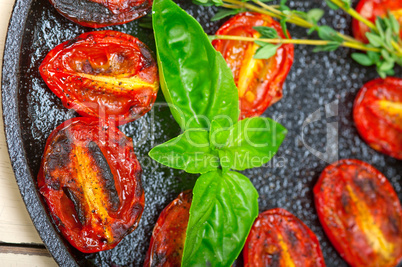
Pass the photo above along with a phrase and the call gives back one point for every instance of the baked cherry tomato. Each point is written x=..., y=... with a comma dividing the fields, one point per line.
x=377, y=114
x=360, y=213
x=100, y=13
x=106, y=74
x=278, y=238
x=371, y=9
x=259, y=81
x=91, y=181
x=167, y=241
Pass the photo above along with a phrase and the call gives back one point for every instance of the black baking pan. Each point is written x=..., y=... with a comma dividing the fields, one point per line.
x=31, y=111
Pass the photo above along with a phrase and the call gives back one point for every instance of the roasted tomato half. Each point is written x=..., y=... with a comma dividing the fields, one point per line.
x=377, y=114
x=278, y=238
x=107, y=74
x=91, y=181
x=360, y=213
x=167, y=241
x=371, y=9
x=259, y=81
x=100, y=13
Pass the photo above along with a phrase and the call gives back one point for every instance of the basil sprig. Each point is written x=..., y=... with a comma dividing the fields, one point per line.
x=200, y=90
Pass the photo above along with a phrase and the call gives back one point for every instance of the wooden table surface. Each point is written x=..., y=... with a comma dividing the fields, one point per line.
x=20, y=244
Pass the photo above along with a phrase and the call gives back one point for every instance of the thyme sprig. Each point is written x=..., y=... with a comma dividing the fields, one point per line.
x=384, y=49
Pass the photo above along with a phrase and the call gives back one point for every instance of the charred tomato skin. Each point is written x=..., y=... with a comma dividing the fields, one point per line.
x=90, y=179
x=259, y=81
x=99, y=13
x=371, y=9
x=278, y=238
x=105, y=74
x=377, y=113
x=360, y=213
x=169, y=234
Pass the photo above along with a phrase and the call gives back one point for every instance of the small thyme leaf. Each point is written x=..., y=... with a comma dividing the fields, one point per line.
x=327, y=33
x=314, y=15
x=223, y=13
x=266, y=31
x=261, y=43
x=374, y=56
x=374, y=39
x=331, y=5
x=347, y=3
x=332, y=46
x=266, y=52
x=394, y=23
x=284, y=27
x=362, y=59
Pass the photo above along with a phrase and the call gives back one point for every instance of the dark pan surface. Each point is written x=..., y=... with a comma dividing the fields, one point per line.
x=32, y=111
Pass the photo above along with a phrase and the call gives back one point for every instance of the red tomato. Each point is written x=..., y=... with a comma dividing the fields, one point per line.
x=377, y=114
x=278, y=238
x=91, y=181
x=360, y=213
x=101, y=13
x=107, y=74
x=167, y=241
x=371, y=9
x=259, y=81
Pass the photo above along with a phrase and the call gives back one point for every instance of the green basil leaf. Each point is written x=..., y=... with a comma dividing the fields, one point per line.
x=190, y=152
x=218, y=135
x=362, y=59
x=374, y=39
x=223, y=209
x=195, y=79
x=267, y=32
x=267, y=51
x=385, y=54
x=252, y=142
x=223, y=13
x=314, y=15
x=331, y=5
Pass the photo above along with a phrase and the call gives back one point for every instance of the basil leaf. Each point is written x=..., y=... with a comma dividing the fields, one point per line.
x=222, y=212
x=190, y=152
x=223, y=13
x=218, y=135
x=266, y=52
x=195, y=79
x=251, y=143
x=362, y=59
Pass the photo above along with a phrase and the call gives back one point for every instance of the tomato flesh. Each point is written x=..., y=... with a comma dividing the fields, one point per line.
x=100, y=13
x=169, y=234
x=377, y=114
x=278, y=238
x=371, y=9
x=360, y=213
x=259, y=81
x=106, y=74
x=91, y=181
